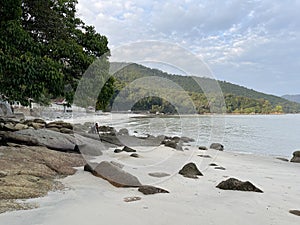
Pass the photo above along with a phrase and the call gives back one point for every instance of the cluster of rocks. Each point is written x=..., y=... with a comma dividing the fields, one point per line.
x=10, y=124
x=176, y=142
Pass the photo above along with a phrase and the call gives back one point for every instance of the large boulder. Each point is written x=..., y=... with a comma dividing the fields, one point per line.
x=217, y=146
x=150, y=190
x=190, y=170
x=113, y=174
x=296, y=157
x=55, y=141
x=237, y=185
x=30, y=171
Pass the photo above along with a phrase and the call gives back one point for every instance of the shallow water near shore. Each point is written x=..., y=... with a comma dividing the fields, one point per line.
x=274, y=135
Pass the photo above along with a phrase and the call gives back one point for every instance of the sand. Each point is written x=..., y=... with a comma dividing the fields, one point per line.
x=90, y=200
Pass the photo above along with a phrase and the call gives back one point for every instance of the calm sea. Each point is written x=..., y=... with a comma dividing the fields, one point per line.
x=276, y=135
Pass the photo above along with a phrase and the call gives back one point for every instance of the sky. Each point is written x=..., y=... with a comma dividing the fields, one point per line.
x=253, y=43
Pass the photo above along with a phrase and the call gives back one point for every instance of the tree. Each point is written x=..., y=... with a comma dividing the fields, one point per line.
x=45, y=48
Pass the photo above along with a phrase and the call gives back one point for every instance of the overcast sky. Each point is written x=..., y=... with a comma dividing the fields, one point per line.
x=254, y=43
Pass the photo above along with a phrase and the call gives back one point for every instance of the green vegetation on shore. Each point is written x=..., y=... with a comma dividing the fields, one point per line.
x=45, y=49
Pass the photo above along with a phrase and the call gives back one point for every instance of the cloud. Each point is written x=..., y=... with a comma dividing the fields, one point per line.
x=238, y=39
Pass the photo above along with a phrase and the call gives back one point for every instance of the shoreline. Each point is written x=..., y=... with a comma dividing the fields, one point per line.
x=90, y=199
x=85, y=194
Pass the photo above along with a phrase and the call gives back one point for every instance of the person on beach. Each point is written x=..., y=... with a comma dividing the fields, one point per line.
x=97, y=128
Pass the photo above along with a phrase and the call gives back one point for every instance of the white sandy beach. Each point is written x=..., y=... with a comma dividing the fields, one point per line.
x=90, y=200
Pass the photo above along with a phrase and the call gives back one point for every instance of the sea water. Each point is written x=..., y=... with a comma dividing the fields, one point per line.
x=276, y=135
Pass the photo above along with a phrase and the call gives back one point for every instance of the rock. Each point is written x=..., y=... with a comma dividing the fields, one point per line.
x=55, y=141
x=20, y=126
x=158, y=174
x=150, y=190
x=66, y=131
x=120, y=165
x=3, y=174
x=118, y=150
x=205, y=156
x=9, y=127
x=40, y=121
x=172, y=144
x=59, y=125
x=31, y=171
x=115, y=175
x=19, y=139
x=217, y=146
x=295, y=212
x=296, y=157
x=190, y=170
x=219, y=168
x=202, y=148
x=38, y=125
x=135, y=155
x=107, y=129
x=235, y=184
x=88, y=149
x=213, y=164
x=123, y=131
x=128, y=149
x=89, y=167
x=187, y=139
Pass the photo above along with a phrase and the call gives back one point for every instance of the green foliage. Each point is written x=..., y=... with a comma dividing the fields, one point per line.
x=237, y=99
x=45, y=48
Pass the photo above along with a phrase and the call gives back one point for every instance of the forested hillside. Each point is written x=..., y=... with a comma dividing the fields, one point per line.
x=238, y=99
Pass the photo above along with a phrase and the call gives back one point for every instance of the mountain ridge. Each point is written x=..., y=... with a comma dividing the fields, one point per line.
x=232, y=92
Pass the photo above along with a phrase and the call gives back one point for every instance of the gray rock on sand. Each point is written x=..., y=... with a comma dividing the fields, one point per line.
x=55, y=141
x=296, y=157
x=205, y=156
x=190, y=170
x=128, y=149
x=150, y=190
x=295, y=212
x=237, y=185
x=173, y=144
x=202, y=148
x=123, y=131
x=220, y=168
x=113, y=174
x=217, y=146
x=158, y=174
x=213, y=164
x=118, y=150
x=135, y=155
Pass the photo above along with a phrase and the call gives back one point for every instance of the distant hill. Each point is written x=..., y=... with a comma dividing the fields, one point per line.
x=238, y=99
x=293, y=98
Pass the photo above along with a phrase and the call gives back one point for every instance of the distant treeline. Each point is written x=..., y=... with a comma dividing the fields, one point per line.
x=185, y=94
